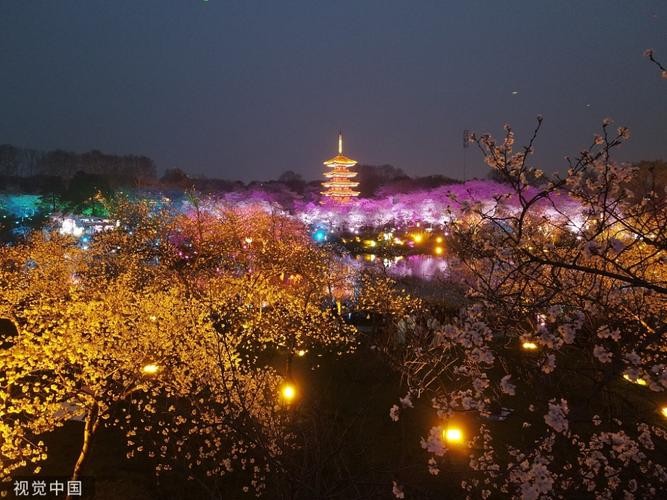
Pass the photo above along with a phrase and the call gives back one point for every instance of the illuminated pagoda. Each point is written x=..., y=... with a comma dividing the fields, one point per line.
x=339, y=186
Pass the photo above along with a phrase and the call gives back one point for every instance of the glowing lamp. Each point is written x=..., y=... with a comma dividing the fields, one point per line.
x=438, y=250
x=417, y=238
x=301, y=353
x=370, y=243
x=638, y=381
x=150, y=369
x=663, y=411
x=320, y=235
x=529, y=346
x=438, y=239
x=452, y=435
x=288, y=392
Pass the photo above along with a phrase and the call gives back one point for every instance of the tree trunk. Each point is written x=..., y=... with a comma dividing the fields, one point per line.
x=92, y=420
x=288, y=366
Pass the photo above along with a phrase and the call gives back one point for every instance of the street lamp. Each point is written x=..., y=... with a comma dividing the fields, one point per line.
x=288, y=392
x=453, y=435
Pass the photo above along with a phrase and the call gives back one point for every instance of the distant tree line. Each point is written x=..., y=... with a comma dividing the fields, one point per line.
x=290, y=186
x=19, y=164
x=75, y=178
x=57, y=172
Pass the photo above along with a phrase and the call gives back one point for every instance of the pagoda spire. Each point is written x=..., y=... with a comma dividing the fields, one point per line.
x=340, y=142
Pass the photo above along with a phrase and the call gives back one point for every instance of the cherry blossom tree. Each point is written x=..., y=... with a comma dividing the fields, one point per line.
x=159, y=327
x=554, y=373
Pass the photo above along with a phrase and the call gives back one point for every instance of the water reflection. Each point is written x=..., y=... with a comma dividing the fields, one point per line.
x=426, y=267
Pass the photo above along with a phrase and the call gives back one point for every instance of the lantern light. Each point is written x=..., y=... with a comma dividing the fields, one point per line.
x=150, y=369
x=452, y=435
x=288, y=392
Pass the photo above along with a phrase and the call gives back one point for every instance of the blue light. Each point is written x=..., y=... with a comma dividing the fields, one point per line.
x=320, y=235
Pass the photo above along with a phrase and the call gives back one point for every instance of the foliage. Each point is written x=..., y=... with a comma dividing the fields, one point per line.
x=579, y=411
x=158, y=328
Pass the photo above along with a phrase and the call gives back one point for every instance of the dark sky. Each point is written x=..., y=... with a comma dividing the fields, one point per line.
x=247, y=89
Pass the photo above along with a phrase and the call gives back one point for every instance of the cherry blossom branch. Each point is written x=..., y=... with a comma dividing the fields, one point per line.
x=651, y=57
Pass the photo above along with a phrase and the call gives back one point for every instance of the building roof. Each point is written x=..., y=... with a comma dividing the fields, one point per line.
x=338, y=184
x=340, y=160
x=339, y=172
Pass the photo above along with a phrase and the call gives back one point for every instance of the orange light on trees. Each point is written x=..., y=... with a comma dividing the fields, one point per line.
x=663, y=411
x=529, y=346
x=638, y=381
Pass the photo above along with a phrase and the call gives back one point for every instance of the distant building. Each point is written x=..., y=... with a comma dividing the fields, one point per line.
x=339, y=186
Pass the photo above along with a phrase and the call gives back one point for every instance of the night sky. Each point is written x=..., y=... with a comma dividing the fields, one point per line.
x=247, y=89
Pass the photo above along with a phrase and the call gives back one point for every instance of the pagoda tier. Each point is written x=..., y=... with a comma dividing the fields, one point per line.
x=340, y=186
x=339, y=173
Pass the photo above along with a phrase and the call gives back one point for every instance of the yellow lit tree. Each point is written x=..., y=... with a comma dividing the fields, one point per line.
x=156, y=328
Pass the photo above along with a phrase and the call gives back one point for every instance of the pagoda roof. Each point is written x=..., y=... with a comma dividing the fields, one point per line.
x=340, y=194
x=340, y=184
x=340, y=160
x=339, y=173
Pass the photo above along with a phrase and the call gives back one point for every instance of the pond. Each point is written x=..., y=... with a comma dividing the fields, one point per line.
x=422, y=266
